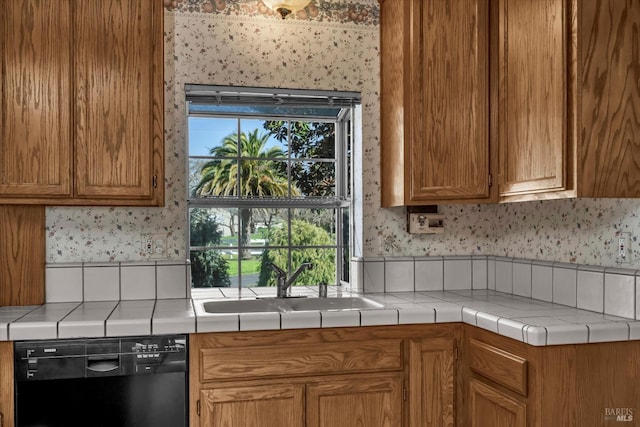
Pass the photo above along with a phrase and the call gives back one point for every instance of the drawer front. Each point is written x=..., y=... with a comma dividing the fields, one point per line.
x=303, y=359
x=498, y=365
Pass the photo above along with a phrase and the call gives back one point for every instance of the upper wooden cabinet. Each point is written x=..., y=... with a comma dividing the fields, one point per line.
x=568, y=93
x=551, y=116
x=532, y=67
x=608, y=97
x=435, y=101
x=81, y=108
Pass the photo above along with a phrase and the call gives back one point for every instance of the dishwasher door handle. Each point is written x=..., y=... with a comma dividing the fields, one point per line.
x=102, y=365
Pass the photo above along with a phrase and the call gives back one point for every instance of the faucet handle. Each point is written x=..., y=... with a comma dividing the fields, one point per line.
x=280, y=272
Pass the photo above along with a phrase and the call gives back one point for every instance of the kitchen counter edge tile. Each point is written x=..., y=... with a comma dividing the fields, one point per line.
x=524, y=319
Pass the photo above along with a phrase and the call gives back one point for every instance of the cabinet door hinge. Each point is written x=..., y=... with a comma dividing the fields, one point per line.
x=198, y=408
x=490, y=180
x=404, y=394
x=154, y=181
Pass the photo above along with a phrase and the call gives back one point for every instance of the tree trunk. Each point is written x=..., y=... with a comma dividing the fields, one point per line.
x=245, y=236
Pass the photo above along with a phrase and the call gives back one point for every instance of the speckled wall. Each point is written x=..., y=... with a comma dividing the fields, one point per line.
x=330, y=45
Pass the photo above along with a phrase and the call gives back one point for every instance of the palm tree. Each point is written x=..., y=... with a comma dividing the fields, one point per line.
x=259, y=175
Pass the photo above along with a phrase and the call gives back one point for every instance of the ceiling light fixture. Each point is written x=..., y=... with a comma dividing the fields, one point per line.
x=286, y=7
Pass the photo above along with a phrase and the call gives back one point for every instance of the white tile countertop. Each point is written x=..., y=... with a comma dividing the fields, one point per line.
x=524, y=319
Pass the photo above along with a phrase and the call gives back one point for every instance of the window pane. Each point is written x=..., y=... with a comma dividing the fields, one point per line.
x=346, y=240
x=309, y=140
x=313, y=227
x=216, y=178
x=324, y=266
x=268, y=227
x=264, y=178
x=314, y=179
x=250, y=270
x=208, y=133
x=258, y=141
x=213, y=227
x=212, y=269
x=195, y=175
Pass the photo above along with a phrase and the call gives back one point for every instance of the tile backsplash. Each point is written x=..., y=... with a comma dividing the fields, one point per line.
x=82, y=282
x=612, y=291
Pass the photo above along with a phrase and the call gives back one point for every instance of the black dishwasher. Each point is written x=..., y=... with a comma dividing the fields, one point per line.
x=123, y=382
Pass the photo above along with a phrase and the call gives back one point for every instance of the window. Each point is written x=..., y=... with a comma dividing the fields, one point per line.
x=269, y=182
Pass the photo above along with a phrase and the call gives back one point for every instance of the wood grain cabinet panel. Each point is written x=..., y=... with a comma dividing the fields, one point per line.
x=533, y=66
x=432, y=382
x=296, y=360
x=568, y=99
x=338, y=377
x=608, y=125
x=256, y=406
x=35, y=102
x=372, y=401
x=498, y=365
x=492, y=408
x=6, y=383
x=539, y=97
x=22, y=255
x=82, y=102
x=435, y=101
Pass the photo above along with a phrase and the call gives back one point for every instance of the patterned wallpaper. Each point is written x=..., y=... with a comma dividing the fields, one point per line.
x=330, y=45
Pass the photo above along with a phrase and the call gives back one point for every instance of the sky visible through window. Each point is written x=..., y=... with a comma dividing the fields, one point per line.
x=205, y=133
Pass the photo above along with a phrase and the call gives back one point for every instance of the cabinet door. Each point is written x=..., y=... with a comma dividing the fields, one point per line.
x=6, y=383
x=35, y=98
x=449, y=157
x=431, y=383
x=532, y=99
x=270, y=405
x=492, y=408
x=610, y=98
x=118, y=78
x=372, y=401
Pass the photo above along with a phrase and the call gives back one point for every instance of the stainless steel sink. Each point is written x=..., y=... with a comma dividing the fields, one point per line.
x=339, y=303
x=266, y=305
x=242, y=306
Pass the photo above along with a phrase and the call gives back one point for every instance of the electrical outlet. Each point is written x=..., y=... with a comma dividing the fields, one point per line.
x=624, y=248
x=155, y=245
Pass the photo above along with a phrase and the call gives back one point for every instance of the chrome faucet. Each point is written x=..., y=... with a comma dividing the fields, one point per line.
x=282, y=283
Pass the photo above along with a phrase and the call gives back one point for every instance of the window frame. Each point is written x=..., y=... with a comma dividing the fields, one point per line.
x=342, y=199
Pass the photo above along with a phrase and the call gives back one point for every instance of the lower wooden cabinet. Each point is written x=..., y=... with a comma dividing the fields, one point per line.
x=432, y=382
x=442, y=375
x=362, y=400
x=350, y=401
x=492, y=408
x=253, y=406
x=370, y=376
x=512, y=384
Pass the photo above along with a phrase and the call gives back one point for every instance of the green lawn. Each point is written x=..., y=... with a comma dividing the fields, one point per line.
x=248, y=266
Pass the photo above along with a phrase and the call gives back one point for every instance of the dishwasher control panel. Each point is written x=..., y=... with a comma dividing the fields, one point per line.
x=96, y=357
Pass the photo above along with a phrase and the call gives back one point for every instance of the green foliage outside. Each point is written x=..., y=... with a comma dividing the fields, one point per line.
x=302, y=234
x=258, y=178
x=208, y=268
x=309, y=140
